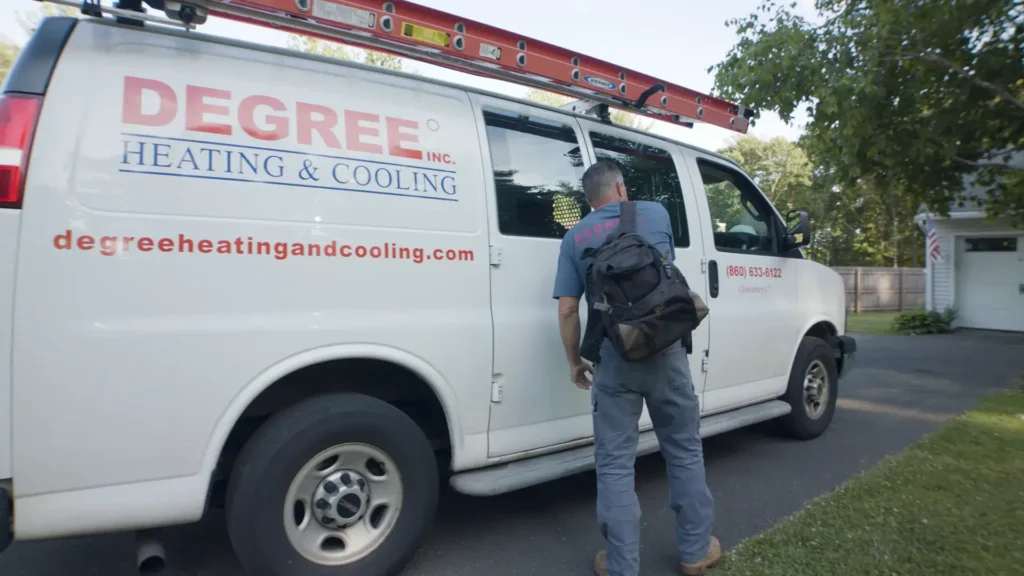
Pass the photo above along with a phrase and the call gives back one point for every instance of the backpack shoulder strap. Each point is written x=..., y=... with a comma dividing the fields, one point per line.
x=627, y=217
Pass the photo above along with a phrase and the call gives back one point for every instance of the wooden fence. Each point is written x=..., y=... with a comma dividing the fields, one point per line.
x=882, y=289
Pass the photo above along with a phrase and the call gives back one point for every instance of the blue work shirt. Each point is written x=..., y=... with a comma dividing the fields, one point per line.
x=652, y=223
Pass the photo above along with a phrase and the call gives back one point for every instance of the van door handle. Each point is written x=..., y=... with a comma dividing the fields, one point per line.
x=713, y=278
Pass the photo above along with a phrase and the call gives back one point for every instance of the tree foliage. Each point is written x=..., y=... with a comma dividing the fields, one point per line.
x=911, y=98
x=620, y=117
x=856, y=224
x=8, y=52
x=330, y=49
x=382, y=59
x=28, y=21
x=780, y=168
x=863, y=225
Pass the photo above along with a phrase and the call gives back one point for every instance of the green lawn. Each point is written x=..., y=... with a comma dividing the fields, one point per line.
x=953, y=503
x=871, y=322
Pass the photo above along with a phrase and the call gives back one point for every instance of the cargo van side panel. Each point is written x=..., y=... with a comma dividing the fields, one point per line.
x=200, y=213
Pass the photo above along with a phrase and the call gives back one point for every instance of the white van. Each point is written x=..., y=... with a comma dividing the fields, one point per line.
x=315, y=290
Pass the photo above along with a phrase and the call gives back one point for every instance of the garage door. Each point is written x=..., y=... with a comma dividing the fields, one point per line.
x=990, y=282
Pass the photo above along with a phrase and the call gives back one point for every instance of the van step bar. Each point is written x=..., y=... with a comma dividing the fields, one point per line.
x=523, y=473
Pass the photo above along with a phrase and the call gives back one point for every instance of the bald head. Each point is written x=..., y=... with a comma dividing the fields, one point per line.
x=601, y=183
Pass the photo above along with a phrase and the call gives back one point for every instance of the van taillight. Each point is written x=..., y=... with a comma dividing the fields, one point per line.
x=18, y=114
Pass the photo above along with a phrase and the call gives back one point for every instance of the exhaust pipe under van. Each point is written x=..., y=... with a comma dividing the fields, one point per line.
x=150, y=556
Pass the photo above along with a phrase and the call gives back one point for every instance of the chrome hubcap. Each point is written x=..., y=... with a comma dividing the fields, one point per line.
x=343, y=504
x=341, y=499
x=816, y=390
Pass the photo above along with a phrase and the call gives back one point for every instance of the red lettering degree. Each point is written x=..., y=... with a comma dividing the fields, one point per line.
x=214, y=110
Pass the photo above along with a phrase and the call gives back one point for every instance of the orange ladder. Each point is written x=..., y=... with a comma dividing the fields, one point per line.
x=425, y=34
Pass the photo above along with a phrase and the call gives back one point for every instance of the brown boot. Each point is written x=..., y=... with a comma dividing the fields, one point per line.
x=601, y=563
x=710, y=560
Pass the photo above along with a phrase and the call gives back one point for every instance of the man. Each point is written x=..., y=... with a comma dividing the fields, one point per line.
x=619, y=390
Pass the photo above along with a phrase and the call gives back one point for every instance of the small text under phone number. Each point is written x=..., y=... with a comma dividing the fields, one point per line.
x=753, y=272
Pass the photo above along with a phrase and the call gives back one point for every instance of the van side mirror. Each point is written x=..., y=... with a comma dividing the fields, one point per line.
x=799, y=233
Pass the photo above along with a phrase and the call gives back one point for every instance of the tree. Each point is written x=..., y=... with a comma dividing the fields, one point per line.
x=619, y=117
x=8, y=52
x=912, y=98
x=383, y=60
x=780, y=168
x=330, y=49
x=29, y=21
x=873, y=228
x=860, y=224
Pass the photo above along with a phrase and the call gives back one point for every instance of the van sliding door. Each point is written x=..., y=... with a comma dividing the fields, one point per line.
x=655, y=170
x=535, y=159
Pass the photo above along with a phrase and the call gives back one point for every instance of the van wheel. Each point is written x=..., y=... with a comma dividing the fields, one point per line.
x=813, y=389
x=339, y=485
x=6, y=538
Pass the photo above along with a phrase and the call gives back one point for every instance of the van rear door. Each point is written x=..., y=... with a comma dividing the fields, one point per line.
x=21, y=101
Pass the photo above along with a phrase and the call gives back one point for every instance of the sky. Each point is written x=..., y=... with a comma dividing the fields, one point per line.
x=675, y=40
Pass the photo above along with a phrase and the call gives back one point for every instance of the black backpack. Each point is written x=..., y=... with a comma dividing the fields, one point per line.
x=637, y=298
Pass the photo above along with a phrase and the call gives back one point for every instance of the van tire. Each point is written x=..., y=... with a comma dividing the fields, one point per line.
x=266, y=467
x=6, y=518
x=813, y=358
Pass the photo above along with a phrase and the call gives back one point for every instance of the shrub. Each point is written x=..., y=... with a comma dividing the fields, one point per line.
x=924, y=322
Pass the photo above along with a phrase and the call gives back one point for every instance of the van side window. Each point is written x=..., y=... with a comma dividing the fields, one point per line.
x=537, y=170
x=741, y=219
x=649, y=174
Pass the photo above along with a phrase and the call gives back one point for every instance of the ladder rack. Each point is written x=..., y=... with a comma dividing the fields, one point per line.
x=435, y=37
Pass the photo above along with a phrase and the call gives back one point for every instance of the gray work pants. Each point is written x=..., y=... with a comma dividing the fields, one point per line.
x=618, y=393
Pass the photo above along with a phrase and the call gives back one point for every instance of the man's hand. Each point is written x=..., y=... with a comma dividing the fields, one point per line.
x=569, y=327
x=578, y=374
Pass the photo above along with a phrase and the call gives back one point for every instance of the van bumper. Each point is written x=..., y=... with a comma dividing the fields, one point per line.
x=846, y=354
x=6, y=516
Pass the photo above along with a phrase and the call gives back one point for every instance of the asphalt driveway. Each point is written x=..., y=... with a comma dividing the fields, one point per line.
x=903, y=387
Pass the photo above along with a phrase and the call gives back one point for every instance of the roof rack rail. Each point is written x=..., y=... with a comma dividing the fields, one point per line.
x=435, y=37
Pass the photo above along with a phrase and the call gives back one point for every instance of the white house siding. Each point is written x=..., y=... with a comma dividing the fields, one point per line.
x=942, y=275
